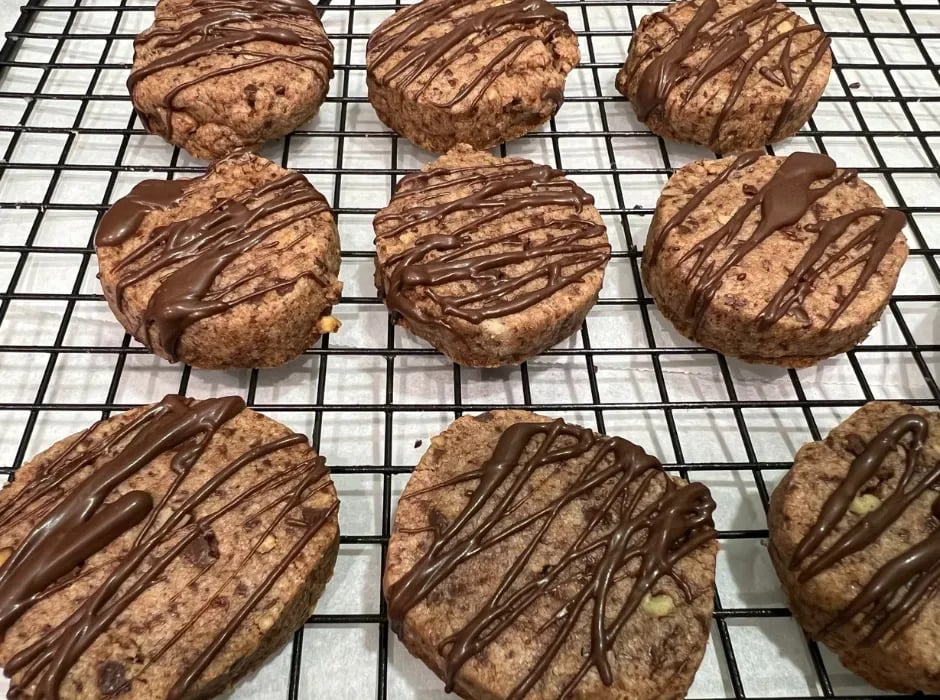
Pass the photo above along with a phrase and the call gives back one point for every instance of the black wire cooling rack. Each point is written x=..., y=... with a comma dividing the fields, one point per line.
x=370, y=395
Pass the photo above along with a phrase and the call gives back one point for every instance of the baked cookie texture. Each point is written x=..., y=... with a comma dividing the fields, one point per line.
x=162, y=553
x=534, y=558
x=218, y=76
x=237, y=268
x=728, y=74
x=481, y=72
x=781, y=261
x=855, y=539
x=491, y=260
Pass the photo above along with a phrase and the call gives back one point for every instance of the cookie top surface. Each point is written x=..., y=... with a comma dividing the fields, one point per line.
x=173, y=253
x=209, y=51
x=779, y=241
x=727, y=53
x=457, y=53
x=859, y=531
x=146, y=556
x=534, y=558
x=473, y=239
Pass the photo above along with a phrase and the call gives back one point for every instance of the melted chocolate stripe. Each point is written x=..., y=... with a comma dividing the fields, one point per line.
x=891, y=598
x=199, y=250
x=575, y=248
x=311, y=479
x=727, y=42
x=217, y=26
x=782, y=202
x=879, y=236
x=422, y=61
x=184, y=427
x=655, y=539
x=81, y=523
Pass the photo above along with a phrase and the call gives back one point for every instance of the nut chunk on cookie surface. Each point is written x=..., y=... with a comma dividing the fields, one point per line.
x=728, y=74
x=444, y=72
x=781, y=261
x=532, y=558
x=219, y=76
x=492, y=260
x=237, y=268
x=161, y=553
x=855, y=539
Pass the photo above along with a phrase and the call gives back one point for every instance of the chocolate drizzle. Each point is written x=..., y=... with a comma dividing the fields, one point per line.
x=890, y=600
x=401, y=54
x=78, y=516
x=492, y=288
x=189, y=256
x=725, y=42
x=780, y=205
x=223, y=27
x=631, y=535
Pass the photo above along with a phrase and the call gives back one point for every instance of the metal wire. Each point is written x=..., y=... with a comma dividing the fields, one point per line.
x=923, y=356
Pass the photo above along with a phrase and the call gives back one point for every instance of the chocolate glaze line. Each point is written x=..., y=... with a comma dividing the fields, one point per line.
x=876, y=238
x=575, y=248
x=124, y=218
x=422, y=61
x=654, y=540
x=739, y=163
x=727, y=41
x=82, y=524
x=212, y=27
x=198, y=250
x=314, y=479
x=663, y=72
x=781, y=203
x=185, y=427
x=891, y=598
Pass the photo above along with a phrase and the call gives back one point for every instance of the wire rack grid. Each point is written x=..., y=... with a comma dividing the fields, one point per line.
x=370, y=395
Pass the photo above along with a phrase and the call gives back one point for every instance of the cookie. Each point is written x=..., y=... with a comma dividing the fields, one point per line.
x=237, y=268
x=481, y=72
x=781, y=261
x=728, y=74
x=855, y=539
x=161, y=553
x=218, y=76
x=491, y=260
x=534, y=558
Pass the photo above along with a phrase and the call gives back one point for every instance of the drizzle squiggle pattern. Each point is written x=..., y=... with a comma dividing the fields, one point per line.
x=218, y=27
x=475, y=25
x=891, y=599
x=573, y=247
x=728, y=43
x=76, y=518
x=190, y=255
x=781, y=203
x=628, y=532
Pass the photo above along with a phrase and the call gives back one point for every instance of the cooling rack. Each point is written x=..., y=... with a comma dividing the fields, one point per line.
x=370, y=396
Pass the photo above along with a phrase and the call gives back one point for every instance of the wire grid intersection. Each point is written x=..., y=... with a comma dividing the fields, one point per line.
x=371, y=395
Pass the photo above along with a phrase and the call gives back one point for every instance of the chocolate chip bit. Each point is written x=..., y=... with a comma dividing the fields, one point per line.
x=730, y=75
x=532, y=558
x=162, y=553
x=444, y=72
x=493, y=260
x=216, y=76
x=189, y=266
x=855, y=538
x=781, y=261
